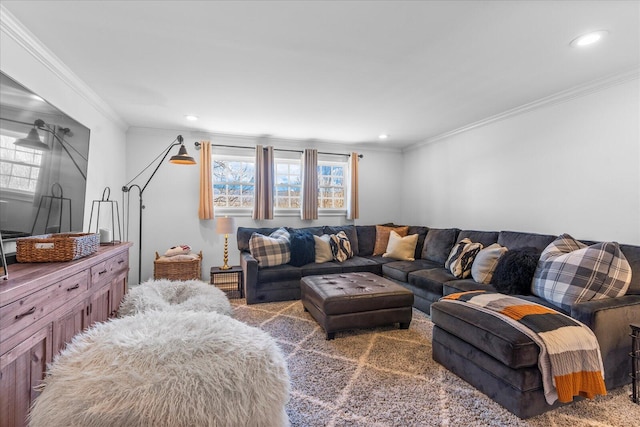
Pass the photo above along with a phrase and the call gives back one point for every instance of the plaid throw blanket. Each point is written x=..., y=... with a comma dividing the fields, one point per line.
x=570, y=359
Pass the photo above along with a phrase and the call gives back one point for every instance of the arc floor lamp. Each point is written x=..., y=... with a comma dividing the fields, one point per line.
x=182, y=158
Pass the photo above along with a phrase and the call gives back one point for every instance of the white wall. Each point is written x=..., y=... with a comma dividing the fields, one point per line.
x=571, y=167
x=171, y=199
x=28, y=61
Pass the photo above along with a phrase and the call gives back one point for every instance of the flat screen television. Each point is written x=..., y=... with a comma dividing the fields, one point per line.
x=43, y=165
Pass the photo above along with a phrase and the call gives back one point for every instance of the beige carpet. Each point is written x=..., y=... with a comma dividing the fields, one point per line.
x=386, y=377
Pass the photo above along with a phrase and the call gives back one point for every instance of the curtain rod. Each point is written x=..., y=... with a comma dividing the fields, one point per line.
x=197, y=144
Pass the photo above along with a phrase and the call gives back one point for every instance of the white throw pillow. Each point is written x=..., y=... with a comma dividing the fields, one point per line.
x=323, y=248
x=401, y=248
x=485, y=263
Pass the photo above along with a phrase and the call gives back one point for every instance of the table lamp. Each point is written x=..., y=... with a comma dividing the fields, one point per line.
x=226, y=226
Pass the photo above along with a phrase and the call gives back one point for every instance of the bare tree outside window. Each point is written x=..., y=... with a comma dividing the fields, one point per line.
x=234, y=182
x=288, y=184
x=331, y=185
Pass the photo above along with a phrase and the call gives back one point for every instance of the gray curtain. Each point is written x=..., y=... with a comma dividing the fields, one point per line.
x=263, y=195
x=309, y=208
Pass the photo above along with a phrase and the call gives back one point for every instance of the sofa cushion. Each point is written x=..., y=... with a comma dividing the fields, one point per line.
x=461, y=258
x=401, y=248
x=340, y=247
x=515, y=270
x=398, y=270
x=487, y=333
x=382, y=236
x=243, y=234
x=279, y=273
x=516, y=239
x=465, y=285
x=303, y=248
x=274, y=249
x=487, y=238
x=431, y=280
x=360, y=264
x=438, y=244
x=349, y=230
x=570, y=272
x=323, y=248
x=366, y=239
x=632, y=254
x=422, y=234
x=323, y=268
x=485, y=263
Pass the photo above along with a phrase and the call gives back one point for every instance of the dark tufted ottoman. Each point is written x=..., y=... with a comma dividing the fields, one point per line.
x=355, y=300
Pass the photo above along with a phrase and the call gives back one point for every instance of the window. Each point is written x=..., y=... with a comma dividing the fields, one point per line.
x=288, y=181
x=19, y=166
x=331, y=185
x=234, y=181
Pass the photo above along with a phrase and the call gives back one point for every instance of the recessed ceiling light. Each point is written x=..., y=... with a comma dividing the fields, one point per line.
x=383, y=136
x=589, y=38
x=191, y=117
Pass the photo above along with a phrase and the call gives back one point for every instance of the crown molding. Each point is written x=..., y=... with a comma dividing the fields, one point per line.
x=11, y=27
x=557, y=98
x=250, y=140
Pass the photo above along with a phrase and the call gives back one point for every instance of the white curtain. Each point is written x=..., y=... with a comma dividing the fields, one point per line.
x=205, y=209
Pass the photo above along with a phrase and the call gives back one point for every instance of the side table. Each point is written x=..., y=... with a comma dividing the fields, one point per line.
x=635, y=362
x=230, y=281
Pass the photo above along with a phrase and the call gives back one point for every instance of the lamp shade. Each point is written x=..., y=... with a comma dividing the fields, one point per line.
x=182, y=158
x=32, y=140
x=225, y=225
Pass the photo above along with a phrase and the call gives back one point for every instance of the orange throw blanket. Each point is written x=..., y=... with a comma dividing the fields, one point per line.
x=570, y=359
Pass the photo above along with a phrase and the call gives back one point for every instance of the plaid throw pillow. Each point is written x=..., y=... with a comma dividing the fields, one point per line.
x=274, y=249
x=570, y=272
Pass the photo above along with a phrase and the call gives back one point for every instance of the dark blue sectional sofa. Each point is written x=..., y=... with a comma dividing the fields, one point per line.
x=427, y=278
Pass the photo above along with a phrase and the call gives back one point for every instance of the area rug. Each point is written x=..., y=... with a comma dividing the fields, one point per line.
x=386, y=377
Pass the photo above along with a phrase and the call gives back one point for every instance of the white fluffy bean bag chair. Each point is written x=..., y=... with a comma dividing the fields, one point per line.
x=174, y=295
x=166, y=368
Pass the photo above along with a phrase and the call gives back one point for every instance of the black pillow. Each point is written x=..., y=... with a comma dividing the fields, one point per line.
x=303, y=248
x=514, y=273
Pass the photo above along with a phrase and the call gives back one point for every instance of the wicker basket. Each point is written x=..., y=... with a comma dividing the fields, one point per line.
x=177, y=270
x=56, y=247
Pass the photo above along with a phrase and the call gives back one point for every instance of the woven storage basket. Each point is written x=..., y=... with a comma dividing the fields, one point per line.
x=177, y=270
x=56, y=247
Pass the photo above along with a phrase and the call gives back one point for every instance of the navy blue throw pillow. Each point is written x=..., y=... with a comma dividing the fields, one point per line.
x=303, y=248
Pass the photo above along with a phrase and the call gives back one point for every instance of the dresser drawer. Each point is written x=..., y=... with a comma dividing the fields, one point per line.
x=108, y=268
x=27, y=310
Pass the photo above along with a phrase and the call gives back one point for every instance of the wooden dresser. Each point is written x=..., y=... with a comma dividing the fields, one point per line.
x=42, y=306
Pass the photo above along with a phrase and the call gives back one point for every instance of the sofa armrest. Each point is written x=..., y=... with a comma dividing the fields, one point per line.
x=250, y=276
x=609, y=319
x=627, y=306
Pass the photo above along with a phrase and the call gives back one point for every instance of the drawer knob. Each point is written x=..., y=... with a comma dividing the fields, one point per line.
x=76, y=286
x=26, y=313
x=102, y=272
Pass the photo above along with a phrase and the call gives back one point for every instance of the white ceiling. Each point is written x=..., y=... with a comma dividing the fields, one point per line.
x=330, y=70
